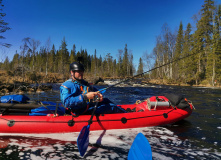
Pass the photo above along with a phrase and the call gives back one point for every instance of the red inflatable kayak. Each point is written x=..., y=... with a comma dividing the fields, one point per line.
x=150, y=112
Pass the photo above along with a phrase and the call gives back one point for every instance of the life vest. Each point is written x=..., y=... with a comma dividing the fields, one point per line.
x=84, y=88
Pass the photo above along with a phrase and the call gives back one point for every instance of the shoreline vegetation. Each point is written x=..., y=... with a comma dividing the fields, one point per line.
x=41, y=82
x=187, y=56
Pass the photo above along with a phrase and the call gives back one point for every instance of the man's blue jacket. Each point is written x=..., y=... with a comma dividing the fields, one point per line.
x=71, y=95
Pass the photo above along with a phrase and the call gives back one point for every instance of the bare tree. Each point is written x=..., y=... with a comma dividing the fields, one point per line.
x=31, y=46
x=34, y=44
x=147, y=59
x=48, y=48
x=24, y=48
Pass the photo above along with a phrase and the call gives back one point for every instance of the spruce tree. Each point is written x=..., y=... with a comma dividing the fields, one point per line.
x=208, y=22
x=218, y=61
x=214, y=59
x=203, y=39
x=177, y=67
x=189, y=68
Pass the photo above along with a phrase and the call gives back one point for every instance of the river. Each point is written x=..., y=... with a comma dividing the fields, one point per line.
x=196, y=137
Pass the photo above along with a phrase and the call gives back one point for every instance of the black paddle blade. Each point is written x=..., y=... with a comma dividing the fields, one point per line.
x=83, y=140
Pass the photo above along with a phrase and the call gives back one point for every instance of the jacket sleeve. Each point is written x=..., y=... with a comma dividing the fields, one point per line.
x=71, y=97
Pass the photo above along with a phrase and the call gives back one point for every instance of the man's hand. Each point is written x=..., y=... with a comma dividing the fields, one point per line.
x=91, y=95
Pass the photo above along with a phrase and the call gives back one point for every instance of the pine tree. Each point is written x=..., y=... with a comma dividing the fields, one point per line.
x=108, y=65
x=140, y=67
x=63, y=57
x=15, y=61
x=99, y=64
x=51, y=59
x=42, y=58
x=6, y=64
x=125, y=62
x=131, y=69
x=95, y=62
x=56, y=62
x=119, y=64
x=73, y=54
x=93, y=65
x=114, y=68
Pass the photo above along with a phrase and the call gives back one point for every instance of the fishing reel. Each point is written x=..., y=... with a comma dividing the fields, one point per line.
x=96, y=98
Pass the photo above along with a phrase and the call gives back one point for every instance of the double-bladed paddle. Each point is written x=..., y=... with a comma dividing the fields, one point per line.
x=83, y=137
x=140, y=149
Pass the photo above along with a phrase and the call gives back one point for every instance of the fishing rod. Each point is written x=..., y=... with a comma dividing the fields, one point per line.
x=83, y=137
x=175, y=60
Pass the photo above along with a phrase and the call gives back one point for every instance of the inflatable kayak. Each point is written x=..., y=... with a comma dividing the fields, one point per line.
x=154, y=111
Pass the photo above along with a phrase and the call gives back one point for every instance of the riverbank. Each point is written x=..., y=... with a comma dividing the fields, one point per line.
x=32, y=82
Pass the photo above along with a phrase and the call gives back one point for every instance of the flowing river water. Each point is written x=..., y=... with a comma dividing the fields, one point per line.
x=196, y=137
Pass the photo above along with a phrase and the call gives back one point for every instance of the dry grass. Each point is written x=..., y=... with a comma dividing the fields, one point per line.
x=7, y=78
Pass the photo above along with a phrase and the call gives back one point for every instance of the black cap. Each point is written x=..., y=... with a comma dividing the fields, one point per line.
x=76, y=66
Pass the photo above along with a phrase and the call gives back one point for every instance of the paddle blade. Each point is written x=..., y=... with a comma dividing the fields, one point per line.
x=140, y=149
x=83, y=140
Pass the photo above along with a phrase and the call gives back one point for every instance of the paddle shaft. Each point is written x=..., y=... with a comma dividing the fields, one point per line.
x=175, y=60
x=92, y=115
x=83, y=137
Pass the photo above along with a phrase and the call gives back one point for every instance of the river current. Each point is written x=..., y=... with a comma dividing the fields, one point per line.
x=196, y=137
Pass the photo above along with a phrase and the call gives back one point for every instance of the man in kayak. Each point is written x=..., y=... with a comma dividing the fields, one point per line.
x=78, y=96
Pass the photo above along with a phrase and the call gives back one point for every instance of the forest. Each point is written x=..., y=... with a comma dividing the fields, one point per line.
x=196, y=49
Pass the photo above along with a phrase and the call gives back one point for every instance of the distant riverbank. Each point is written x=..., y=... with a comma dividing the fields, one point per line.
x=32, y=82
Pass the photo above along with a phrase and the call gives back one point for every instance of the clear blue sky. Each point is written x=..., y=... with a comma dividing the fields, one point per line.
x=104, y=25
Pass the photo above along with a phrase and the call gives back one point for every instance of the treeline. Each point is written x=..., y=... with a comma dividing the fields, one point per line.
x=201, y=40
x=204, y=67
x=57, y=61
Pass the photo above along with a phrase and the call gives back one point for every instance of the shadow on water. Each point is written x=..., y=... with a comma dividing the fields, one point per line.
x=180, y=128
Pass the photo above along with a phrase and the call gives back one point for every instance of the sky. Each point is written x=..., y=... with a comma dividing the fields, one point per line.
x=104, y=25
